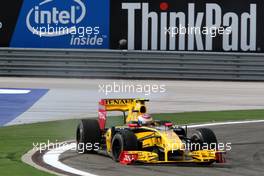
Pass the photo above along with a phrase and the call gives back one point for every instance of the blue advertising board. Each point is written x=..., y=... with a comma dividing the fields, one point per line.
x=62, y=24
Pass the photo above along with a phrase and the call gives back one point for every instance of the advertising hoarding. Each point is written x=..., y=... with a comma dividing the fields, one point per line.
x=225, y=25
x=56, y=24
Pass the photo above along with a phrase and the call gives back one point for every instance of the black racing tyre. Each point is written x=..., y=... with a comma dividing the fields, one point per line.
x=180, y=132
x=203, y=138
x=124, y=140
x=88, y=136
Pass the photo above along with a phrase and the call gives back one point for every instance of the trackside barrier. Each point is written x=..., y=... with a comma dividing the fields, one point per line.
x=131, y=64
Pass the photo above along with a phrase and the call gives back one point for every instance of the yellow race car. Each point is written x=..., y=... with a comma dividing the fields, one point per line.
x=152, y=142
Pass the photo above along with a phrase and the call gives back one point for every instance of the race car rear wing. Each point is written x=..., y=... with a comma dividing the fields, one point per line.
x=130, y=105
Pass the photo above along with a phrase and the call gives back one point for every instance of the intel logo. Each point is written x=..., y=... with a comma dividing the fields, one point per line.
x=48, y=13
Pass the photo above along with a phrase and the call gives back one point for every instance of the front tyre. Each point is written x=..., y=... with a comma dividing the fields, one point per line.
x=203, y=138
x=123, y=141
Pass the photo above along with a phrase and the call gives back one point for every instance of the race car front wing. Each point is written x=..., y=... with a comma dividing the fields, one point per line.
x=201, y=156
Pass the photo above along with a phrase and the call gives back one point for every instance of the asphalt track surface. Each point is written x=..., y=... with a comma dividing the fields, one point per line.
x=245, y=159
x=76, y=98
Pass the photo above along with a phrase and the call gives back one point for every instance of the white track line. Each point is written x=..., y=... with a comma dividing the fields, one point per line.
x=52, y=157
x=225, y=123
x=14, y=91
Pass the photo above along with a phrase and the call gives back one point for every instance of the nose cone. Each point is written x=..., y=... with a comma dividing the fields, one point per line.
x=172, y=141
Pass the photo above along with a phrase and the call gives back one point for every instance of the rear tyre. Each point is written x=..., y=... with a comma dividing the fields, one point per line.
x=123, y=141
x=203, y=138
x=88, y=136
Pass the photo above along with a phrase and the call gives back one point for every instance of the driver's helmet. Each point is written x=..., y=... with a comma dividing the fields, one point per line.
x=145, y=119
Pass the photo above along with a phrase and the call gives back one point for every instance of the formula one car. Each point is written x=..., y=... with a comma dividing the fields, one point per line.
x=152, y=142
